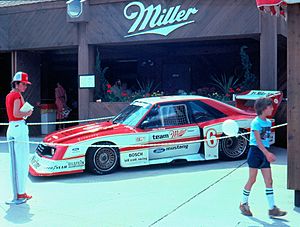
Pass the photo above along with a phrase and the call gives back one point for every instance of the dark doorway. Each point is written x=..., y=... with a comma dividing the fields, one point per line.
x=60, y=66
x=176, y=78
x=5, y=79
x=178, y=66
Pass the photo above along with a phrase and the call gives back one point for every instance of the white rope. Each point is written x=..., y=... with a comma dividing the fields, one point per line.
x=136, y=145
x=64, y=122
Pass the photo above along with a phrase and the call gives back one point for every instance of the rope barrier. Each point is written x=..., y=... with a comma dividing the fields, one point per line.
x=136, y=145
x=64, y=122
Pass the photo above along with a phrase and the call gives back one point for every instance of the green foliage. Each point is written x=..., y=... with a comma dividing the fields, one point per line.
x=224, y=87
x=224, y=84
x=249, y=79
x=147, y=87
x=100, y=91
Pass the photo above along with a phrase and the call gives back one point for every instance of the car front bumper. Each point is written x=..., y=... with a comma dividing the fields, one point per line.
x=42, y=166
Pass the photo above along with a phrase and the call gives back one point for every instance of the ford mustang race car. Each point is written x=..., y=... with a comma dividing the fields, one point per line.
x=150, y=131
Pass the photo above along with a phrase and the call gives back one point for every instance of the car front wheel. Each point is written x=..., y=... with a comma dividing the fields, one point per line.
x=102, y=160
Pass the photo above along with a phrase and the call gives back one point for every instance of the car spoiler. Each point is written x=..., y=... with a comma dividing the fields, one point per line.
x=245, y=100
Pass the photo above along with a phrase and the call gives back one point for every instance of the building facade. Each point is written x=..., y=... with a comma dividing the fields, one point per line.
x=177, y=45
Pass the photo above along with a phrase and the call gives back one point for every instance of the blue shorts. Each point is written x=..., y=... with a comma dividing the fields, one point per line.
x=256, y=158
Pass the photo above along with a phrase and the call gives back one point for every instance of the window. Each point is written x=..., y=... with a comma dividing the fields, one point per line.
x=132, y=114
x=153, y=119
x=173, y=115
x=202, y=112
x=166, y=115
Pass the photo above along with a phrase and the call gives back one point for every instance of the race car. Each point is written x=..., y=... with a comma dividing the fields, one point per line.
x=149, y=131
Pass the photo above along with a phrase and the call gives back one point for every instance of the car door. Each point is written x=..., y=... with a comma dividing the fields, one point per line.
x=205, y=117
x=170, y=131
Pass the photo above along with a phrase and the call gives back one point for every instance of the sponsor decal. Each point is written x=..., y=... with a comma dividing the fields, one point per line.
x=159, y=137
x=72, y=152
x=172, y=134
x=156, y=19
x=35, y=162
x=177, y=133
x=76, y=164
x=159, y=150
x=139, y=156
x=69, y=165
x=140, y=139
x=178, y=147
x=56, y=167
x=51, y=166
x=262, y=93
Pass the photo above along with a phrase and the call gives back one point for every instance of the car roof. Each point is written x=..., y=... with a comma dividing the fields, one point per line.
x=154, y=100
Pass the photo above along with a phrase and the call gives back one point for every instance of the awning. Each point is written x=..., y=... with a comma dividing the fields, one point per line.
x=275, y=7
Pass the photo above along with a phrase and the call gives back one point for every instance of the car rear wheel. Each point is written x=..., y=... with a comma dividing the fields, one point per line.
x=233, y=148
x=102, y=160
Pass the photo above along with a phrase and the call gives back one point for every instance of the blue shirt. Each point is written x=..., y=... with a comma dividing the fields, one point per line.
x=264, y=128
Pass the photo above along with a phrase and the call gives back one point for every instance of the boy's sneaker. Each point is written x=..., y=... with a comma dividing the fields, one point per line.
x=245, y=209
x=276, y=212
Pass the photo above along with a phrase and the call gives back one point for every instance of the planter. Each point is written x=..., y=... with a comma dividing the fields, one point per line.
x=106, y=109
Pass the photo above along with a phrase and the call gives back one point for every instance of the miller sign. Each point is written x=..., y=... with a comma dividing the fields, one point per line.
x=155, y=19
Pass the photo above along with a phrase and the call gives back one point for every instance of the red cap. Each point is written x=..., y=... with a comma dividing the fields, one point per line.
x=21, y=77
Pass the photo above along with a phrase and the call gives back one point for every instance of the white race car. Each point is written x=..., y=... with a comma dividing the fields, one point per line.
x=150, y=131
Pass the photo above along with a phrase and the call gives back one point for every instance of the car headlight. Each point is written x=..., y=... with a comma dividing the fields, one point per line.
x=44, y=150
x=53, y=149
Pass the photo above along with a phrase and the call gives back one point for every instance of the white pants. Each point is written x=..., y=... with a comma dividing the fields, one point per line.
x=19, y=155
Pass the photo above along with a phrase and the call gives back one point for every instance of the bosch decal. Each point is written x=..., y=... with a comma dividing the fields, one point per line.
x=139, y=156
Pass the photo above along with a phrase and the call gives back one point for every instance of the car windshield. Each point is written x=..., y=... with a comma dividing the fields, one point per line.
x=132, y=114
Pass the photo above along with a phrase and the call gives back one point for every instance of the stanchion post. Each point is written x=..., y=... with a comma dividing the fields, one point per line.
x=297, y=198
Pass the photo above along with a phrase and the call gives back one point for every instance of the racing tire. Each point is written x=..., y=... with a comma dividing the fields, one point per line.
x=234, y=148
x=102, y=160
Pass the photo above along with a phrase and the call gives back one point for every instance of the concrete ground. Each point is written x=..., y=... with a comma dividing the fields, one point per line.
x=202, y=194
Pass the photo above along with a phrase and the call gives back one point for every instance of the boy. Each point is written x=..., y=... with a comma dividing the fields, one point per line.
x=260, y=158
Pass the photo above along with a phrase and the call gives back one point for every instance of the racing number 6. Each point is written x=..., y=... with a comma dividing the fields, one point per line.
x=211, y=137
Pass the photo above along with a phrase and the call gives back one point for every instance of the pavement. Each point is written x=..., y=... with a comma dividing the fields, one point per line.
x=200, y=194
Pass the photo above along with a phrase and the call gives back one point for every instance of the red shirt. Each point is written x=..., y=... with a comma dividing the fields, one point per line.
x=10, y=99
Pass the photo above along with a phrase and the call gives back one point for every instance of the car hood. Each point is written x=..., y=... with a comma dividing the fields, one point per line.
x=87, y=131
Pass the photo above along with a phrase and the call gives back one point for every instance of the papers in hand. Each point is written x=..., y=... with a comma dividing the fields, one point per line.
x=25, y=108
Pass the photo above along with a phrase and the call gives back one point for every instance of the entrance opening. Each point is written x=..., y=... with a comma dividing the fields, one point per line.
x=177, y=67
x=60, y=66
x=5, y=79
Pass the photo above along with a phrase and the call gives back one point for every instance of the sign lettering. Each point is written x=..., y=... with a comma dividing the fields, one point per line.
x=155, y=19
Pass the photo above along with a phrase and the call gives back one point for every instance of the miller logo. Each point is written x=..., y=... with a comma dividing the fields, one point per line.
x=155, y=19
